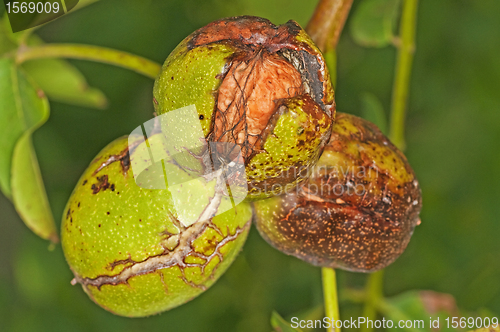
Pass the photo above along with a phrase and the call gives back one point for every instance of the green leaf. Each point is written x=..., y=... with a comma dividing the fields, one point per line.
x=62, y=82
x=15, y=38
x=279, y=324
x=405, y=307
x=373, y=111
x=25, y=34
x=84, y=3
x=11, y=126
x=410, y=306
x=373, y=22
x=28, y=191
x=6, y=43
x=23, y=108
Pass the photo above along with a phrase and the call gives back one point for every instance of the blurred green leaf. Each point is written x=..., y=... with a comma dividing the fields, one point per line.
x=419, y=308
x=373, y=111
x=314, y=313
x=6, y=42
x=6, y=29
x=60, y=80
x=373, y=22
x=28, y=191
x=279, y=324
x=22, y=36
x=63, y=82
x=84, y=3
x=23, y=108
x=404, y=307
x=11, y=127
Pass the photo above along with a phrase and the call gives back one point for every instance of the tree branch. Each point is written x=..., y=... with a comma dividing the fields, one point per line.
x=327, y=23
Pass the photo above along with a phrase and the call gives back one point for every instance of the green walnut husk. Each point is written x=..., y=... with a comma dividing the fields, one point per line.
x=126, y=246
x=357, y=211
x=261, y=86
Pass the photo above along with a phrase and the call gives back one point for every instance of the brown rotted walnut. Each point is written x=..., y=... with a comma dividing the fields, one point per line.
x=358, y=210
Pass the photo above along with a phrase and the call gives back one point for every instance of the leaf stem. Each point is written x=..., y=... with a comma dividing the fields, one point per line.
x=330, y=296
x=373, y=295
x=406, y=49
x=92, y=53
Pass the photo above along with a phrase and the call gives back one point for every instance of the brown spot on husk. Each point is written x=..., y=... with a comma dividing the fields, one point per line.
x=102, y=184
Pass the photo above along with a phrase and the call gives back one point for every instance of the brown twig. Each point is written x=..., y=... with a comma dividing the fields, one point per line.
x=327, y=22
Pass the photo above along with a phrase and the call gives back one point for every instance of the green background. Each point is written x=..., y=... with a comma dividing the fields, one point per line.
x=452, y=143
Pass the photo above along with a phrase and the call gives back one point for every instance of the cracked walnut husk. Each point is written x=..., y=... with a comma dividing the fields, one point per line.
x=258, y=85
x=126, y=245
